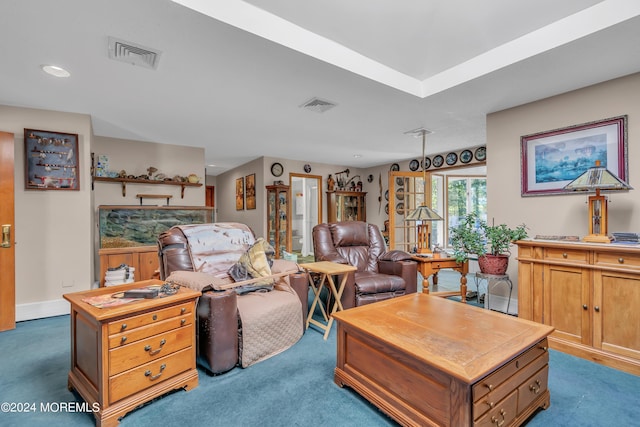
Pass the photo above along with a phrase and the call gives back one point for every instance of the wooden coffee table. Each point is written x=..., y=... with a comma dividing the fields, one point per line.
x=426, y=360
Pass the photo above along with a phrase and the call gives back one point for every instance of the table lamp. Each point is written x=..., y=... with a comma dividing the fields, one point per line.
x=423, y=213
x=597, y=178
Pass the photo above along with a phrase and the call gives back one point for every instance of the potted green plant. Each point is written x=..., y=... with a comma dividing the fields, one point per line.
x=489, y=242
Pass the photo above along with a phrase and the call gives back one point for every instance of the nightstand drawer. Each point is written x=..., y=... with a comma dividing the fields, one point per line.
x=618, y=260
x=143, y=351
x=564, y=254
x=491, y=382
x=137, y=334
x=151, y=317
x=149, y=374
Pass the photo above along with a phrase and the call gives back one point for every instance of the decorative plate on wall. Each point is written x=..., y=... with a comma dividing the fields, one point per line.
x=438, y=161
x=400, y=208
x=370, y=178
x=481, y=154
x=452, y=158
x=400, y=194
x=466, y=156
x=414, y=165
x=386, y=208
x=399, y=181
x=395, y=167
x=386, y=195
x=307, y=168
x=427, y=163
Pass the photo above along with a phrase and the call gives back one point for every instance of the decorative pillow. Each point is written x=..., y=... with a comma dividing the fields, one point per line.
x=253, y=264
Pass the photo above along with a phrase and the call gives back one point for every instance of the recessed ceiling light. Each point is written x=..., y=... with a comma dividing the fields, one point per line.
x=212, y=166
x=357, y=156
x=55, y=71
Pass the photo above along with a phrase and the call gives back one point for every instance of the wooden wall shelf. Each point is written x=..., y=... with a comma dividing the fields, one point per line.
x=124, y=182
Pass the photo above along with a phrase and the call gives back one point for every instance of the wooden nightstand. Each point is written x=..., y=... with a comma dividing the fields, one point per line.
x=126, y=355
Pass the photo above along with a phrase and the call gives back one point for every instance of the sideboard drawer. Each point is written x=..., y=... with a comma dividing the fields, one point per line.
x=143, y=351
x=564, y=254
x=618, y=260
x=144, y=376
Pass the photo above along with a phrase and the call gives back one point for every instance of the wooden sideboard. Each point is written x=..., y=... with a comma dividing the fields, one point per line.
x=589, y=292
x=143, y=258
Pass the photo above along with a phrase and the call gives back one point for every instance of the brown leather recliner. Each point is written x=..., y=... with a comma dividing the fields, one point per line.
x=381, y=275
x=219, y=246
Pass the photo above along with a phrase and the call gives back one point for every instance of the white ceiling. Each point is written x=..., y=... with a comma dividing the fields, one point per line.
x=232, y=74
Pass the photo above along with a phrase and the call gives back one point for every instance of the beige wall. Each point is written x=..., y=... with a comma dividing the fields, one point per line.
x=135, y=157
x=53, y=229
x=561, y=214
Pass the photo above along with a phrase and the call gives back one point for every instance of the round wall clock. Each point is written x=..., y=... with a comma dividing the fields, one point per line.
x=307, y=168
x=277, y=169
x=466, y=156
x=452, y=158
x=414, y=165
x=438, y=161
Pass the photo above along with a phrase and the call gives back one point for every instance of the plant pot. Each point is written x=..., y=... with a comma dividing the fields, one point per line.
x=494, y=264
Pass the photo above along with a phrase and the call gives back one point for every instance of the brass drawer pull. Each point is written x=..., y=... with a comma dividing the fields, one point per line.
x=496, y=421
x=122, y=340
x=183, y=310
x=183, y=321
x=123, y=327
x=489, y=386
x=535, y=388
x=491, y=404
x=154, y=352
x=584, y=306
x=155, y=377
x=596, y=308
x=564, y=255
x=621, y=260
x=155, y=317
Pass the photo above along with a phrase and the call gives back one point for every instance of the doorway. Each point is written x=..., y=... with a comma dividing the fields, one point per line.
x=306, y=213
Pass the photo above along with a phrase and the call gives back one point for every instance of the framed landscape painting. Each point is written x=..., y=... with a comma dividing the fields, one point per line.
x=552, y=159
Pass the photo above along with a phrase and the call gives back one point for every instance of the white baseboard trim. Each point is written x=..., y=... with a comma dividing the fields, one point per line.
x=499, y=303
x=38, y=310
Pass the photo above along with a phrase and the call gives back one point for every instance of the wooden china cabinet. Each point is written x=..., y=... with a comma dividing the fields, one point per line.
x=278, y=218
x=346, y=206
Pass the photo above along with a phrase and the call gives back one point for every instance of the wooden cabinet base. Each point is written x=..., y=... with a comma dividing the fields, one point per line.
x=111, y=416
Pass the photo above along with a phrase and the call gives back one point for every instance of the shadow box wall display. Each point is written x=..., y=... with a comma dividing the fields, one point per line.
x=552, y=159
x=51, y=160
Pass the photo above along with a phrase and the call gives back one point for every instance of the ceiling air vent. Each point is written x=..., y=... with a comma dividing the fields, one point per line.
x=132, y=53
x=318, y=105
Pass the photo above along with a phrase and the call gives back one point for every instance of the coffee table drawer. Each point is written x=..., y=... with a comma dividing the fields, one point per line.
x=502, y=414
x=491, y=382
x=532, y=388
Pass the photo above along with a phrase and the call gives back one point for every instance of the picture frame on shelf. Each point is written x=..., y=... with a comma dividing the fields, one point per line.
x=51, y=160
x=250, y=191
x=240, y=194
x=552, y=159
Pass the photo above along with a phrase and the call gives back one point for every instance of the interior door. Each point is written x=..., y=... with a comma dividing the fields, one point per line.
x=306, y=211
x=7, y=251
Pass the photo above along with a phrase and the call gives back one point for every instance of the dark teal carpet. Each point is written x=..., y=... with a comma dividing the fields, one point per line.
x=294, y=388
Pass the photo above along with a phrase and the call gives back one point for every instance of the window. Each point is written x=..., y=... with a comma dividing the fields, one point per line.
x=465, y=195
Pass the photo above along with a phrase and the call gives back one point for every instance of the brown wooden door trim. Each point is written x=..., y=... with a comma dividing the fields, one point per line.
x=7, y=218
